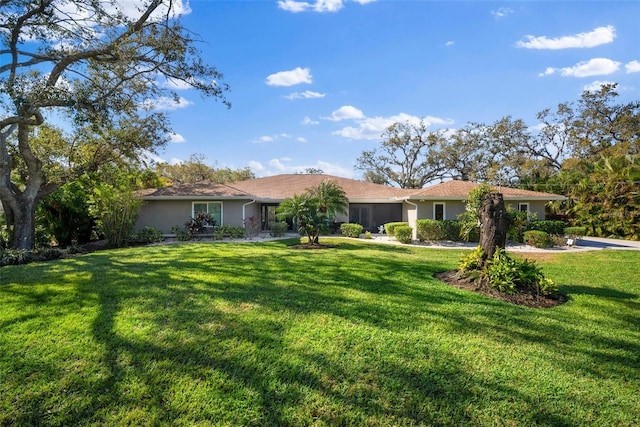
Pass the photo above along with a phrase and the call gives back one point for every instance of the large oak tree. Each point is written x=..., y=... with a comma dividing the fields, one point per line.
x=94, y=66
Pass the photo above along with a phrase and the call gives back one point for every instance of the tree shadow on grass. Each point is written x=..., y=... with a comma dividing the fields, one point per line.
x=217, y=325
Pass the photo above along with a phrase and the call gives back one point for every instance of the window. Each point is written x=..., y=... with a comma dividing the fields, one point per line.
x=523, y=207
x=439, y=211
x=212, y=208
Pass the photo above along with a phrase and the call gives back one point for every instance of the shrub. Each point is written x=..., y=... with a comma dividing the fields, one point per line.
x=278, y=229
x=15, y=257
x=233, y=232
x=429, y=230
x=116, y=210
x=403, y=233
x=181, y=234
x=575, y=231
x=390, y=227
x=471, y=261
x=47, y=254
x=148, y=235
x=537, y=239
x=199, y=223
x=548, y=226
x=367, y=235
x=519, y=223
x=507, y=274
x=351, y=230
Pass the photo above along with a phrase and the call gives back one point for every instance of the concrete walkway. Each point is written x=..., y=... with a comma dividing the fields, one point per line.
x=584, y=244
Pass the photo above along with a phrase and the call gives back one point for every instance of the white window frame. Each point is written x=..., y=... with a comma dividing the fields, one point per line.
x=444, y=209
x=528, y=208
x=201, y=202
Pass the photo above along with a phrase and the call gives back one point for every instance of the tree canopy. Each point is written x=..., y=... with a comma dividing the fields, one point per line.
x=97, y=67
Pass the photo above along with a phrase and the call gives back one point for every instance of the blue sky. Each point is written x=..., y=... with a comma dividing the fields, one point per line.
x=315, y=83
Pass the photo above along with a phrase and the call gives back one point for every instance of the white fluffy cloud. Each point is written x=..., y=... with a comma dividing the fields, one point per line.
x=371, y=128
x=308, y=121
x=166, y=103
x=320, y=6
x=346, y=112
x=502, y=12
x=290, y=78
x=176, y=138
x=592, y=67
x=283, y=165
x=307, y=94
x=597, y=37
x=596, y=85
x=633, y=67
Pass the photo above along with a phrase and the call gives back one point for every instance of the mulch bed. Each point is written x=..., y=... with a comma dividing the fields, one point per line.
x=525, y=299
x=313, y=246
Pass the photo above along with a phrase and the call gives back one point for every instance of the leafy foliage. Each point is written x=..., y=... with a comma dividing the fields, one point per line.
x=116, y=209
x=351, y=230
x=390, y=227
x=278, y=229
x=403, y=234
x=538, y=239
x=507, y=274
x=313, y=211
x=147, y=235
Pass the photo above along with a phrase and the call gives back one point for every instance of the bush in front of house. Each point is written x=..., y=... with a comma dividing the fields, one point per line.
x=147, y=235
x=537, y=239
x=390, y=227
x=233, y=232
x=575, y=231
x=351, y=230
x=429, y=230
x=549, y=226
x=403, y=234
x=278, y=229
x=181, y=234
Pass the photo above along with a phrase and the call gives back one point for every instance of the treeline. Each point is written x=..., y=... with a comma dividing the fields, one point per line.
x=587, y=150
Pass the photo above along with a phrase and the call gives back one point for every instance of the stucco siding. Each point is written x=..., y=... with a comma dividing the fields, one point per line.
x=165, y=214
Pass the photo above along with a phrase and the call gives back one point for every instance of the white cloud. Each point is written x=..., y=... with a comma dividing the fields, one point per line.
x=290, y=78
x=166, y=103
x=592, y=67
x=449, y=43
x=307, y=94
x=320, y=6
x=371, y=128
x=595, y=85
x=176, y=138
x=307, y=121
x=271, y=138
x=597, y=37
x=502, y=12
x=346, y=112
x=301, y=139
x=633, y=67
x=282, y=165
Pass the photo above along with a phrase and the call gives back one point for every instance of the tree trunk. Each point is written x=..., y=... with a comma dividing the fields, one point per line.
x=494, y=224
x=24, y=225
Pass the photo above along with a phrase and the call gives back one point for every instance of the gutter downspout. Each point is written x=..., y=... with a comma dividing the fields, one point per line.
x=414, y=228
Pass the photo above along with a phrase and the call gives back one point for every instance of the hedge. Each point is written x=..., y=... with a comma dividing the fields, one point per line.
x=391, y=226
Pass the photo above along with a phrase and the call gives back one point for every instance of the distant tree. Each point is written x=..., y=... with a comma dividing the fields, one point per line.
x=99, y=66
x=313, y=171
x=407, y=157
x=196, y=170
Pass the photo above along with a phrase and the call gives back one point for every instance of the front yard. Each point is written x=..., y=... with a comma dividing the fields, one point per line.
x=359, y=334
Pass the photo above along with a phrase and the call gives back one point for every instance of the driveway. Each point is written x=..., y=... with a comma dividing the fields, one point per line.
x=584, y=244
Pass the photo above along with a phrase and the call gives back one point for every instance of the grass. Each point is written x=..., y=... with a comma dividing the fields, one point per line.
x=361, y=334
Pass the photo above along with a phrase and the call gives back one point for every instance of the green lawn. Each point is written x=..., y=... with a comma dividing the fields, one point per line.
x=361, y=334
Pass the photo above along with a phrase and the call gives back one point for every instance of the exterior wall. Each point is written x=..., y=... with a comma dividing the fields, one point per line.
x=164, y=214
x=536, y=207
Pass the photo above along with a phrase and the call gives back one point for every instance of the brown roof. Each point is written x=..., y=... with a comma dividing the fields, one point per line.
x=203, y=189
x=280, y=187
x=460, y=190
